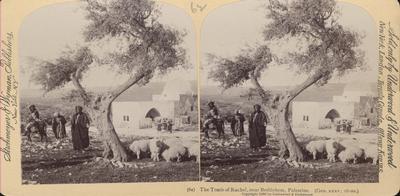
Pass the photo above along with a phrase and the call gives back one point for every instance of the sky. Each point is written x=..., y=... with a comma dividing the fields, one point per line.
x=235, y=26
x=47, y=31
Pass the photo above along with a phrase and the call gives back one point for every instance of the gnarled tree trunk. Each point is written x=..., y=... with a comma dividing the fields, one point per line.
x=100, y=112
x=112, y=145
x=277, y=107
x=278, y=114
x=113, y=148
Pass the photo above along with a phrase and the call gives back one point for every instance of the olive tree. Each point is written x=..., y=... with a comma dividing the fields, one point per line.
x=329, y=50
x=151, y=48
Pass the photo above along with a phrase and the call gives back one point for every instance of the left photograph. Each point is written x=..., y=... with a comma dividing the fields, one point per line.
x=108, y=93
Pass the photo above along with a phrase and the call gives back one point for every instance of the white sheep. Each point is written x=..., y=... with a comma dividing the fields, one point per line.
x=194, y=151
x=315, y=147
x=333, y=147
x=187, y=143
x=174, y=152
x=351, y=153
x=172, y=141
x=370, y=151
x=348, y=142
x=156, y=147
x=139, y=146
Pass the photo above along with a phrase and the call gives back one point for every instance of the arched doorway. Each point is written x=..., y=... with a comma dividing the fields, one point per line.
x=332, y=114
x=153, y=113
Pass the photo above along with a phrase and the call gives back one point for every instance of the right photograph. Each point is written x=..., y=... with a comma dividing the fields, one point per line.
x=289, y=93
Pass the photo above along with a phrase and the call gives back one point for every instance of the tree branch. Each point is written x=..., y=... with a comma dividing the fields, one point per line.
x=147, y=15
x=310, y=33
x=258, y=87
x=78, y=86
x=329, y=15
x=301, y=87
x=130, y=33
x=126, y=85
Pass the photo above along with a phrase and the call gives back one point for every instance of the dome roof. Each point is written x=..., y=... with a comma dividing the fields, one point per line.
x=174, y=88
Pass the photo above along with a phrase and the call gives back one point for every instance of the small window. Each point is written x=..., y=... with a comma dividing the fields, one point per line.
x=191, y=108
x=307, y=118
x=372, y=110
x=125, y=118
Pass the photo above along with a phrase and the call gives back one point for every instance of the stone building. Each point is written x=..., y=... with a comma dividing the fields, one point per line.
x=356, y=102
x=176, y=101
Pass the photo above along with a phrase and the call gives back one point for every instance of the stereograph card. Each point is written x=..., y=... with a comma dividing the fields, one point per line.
x=200, y=97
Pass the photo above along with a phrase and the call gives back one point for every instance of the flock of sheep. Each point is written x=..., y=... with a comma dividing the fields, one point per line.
x=175, y=149
x=170, y=149
x=347, y=150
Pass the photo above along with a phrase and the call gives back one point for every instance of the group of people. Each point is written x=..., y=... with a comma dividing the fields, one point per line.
x=344, y=126
x=257, y=124
x=80, y=123
x=164, y=124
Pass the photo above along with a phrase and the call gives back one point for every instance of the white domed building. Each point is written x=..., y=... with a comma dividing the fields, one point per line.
x=139, y=108
x=353, y=101
x=352, y=92
x=173, y=89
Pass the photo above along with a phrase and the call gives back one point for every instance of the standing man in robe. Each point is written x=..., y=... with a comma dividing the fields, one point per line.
x=80, y=124
x=232, y=120
x=239, y=126
x=257, y=128
x=58, y=125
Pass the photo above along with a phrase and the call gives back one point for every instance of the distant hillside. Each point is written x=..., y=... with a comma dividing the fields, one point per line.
x=323, y=93
x=135, y=93
x=142, y=93
x=326, y=92
x=314, y=93
x=145, y=93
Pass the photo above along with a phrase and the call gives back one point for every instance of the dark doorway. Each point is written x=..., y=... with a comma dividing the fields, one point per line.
x=153, y=113
x=332, y=114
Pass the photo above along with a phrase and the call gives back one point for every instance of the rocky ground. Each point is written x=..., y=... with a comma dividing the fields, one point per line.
x=55, y=162
x=230, y=159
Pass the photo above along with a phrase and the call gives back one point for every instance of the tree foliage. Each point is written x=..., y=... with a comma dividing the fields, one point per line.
x=152, y=48
x=234, y=72
x=151, y=45
x=56, y=74
x=330, y=48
